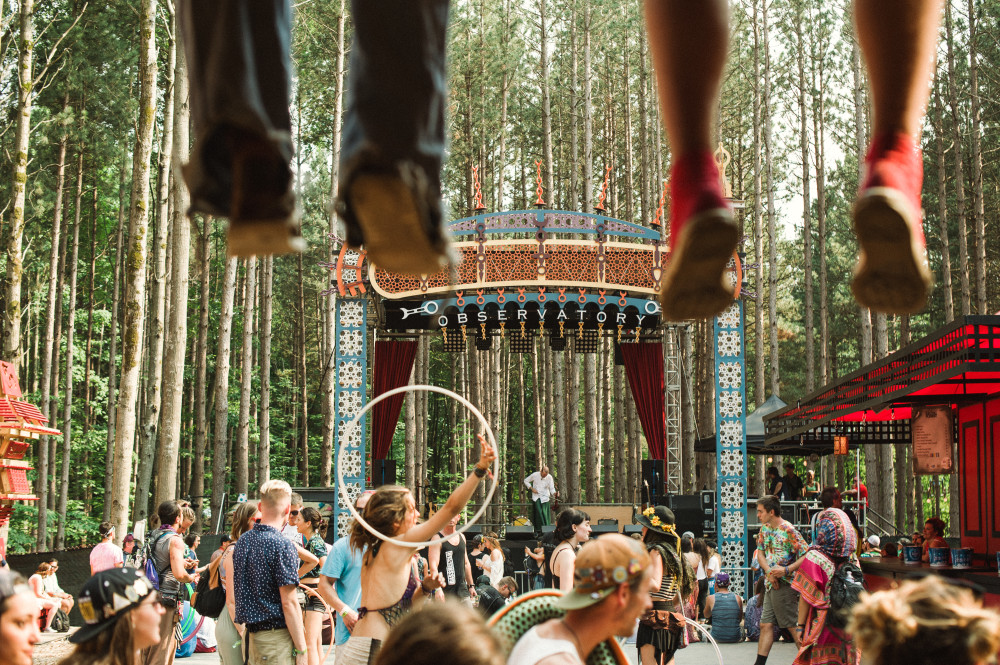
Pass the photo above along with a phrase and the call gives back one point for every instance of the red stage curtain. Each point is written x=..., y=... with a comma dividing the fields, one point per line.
x=393, y=366
x=644, y=367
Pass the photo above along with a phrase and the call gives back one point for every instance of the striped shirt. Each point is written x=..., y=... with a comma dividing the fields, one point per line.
x=104, y=556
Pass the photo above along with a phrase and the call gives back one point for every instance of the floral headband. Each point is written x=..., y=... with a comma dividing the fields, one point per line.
x=598, y=578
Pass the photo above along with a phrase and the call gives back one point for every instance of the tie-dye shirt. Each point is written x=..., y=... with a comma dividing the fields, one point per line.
x=782, y=545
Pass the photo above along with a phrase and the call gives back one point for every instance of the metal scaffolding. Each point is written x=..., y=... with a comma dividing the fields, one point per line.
x=672, y=360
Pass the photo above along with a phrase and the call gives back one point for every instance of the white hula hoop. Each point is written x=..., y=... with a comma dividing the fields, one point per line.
x=715, y=645
x=354, y=424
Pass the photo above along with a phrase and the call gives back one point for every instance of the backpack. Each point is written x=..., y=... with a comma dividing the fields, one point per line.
x=846, y=587
x=149, y=562
x=209, y=598
x=61, y=622
x=508, y=563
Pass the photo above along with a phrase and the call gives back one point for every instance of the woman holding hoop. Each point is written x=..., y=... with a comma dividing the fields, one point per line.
x=389, y=582
x=572, y=531
x=309, y=525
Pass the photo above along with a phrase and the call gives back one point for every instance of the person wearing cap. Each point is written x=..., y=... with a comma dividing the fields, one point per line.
x=612, y=584
x=121, y=612
x=340, y=581
x=872, y=547
x=132, y=551
x=106, y=554
x=725, y=609
x=18, y=620
x=673, y=581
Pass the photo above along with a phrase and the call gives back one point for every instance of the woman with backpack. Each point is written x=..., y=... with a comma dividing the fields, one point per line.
x=825, y=640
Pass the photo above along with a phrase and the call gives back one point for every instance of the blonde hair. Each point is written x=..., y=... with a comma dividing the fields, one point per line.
x=241, y=519
x=385, y=511
x=926, y=622
x=274, y=493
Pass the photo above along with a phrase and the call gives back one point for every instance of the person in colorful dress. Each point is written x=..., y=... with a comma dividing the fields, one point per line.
x=780, y=549
x=823, y=644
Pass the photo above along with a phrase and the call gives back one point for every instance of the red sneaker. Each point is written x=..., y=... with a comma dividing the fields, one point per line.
x=892, y=274
x=703, y=237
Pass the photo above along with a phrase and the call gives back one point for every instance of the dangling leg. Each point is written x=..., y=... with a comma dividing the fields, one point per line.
x=689, y=41
x=898, y=39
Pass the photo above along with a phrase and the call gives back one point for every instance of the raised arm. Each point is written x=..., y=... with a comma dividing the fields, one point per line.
x=456, y=502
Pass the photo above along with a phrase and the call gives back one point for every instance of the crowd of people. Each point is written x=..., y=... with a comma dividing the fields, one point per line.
x=391, y=603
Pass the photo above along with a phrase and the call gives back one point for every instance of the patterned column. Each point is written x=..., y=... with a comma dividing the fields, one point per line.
x=731, y=449
x=351, y=365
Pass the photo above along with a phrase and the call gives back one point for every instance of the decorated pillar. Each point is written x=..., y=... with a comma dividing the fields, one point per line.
x=731, y=448
x=351, y=371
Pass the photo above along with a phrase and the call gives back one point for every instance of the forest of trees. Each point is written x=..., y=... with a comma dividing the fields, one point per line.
x=174, y=371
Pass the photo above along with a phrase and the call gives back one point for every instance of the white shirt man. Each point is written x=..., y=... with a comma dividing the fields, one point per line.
x=543, y=489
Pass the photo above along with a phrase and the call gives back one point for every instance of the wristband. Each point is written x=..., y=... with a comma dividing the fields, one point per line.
x=344, y=612
x=297, y=652
x=480, y=473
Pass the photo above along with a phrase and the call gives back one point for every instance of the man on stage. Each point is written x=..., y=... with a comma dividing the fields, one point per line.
x=543, y=488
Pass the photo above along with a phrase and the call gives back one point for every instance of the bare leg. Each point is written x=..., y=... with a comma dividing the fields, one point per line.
x=766, y=639
x=899, y=40
x=647, y=655
x=689, y=41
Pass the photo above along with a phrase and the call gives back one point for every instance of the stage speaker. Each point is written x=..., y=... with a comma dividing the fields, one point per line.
x=632, y=528
x=601, y=529
x=689, y=513
x=383, y=472
x=548, y=528
x=520, y=532
x=653, y=479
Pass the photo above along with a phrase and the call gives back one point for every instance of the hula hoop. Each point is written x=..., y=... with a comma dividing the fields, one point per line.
x=715, y=645
x=353, y=425
x=308, y=590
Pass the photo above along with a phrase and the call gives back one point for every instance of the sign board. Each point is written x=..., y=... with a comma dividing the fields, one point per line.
x=840, y=445
x=932, y=430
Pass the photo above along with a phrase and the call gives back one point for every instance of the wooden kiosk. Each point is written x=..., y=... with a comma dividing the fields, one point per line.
x=957, y=367
x=20, y=424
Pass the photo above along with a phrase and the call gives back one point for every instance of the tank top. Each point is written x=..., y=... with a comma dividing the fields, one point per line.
x=169, y=586
x=452, y=566
x=532, y=648
x=726, y=618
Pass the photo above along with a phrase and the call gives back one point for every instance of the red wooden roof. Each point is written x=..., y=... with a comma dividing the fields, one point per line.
x=957, y=364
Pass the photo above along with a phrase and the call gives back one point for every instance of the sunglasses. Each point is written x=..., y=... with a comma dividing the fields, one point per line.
x=256, y=520
x=295, y=512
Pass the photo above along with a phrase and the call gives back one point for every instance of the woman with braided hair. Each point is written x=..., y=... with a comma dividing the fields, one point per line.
x=656, y=642
x=926, y=622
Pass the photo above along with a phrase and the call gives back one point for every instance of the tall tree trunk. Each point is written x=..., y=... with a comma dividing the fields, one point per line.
x=806, y=205
x=303, y=380
x=543, y=78
x=149, y=452
x=978, y=209
x=772, y=242
x=68, y=381
x=223, y=353
x=135, y=294
x=48, y=354
x=956, y=135
x=109, y=452
x=942, y=194
x=177, y=319
x=19, y=152
x=266, y=307
x=760, y=377
x=860, y=143
x=241, y=453
x=201, y=373
x=817, y=55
